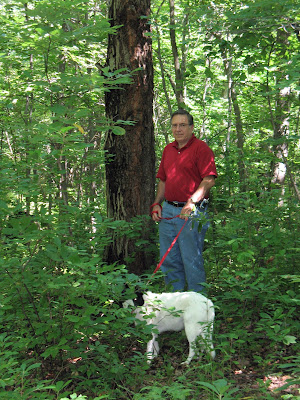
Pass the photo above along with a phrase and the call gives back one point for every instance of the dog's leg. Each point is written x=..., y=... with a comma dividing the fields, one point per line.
x=152, y=348
x=210, y=341
x=206, y=335
x=191, y=354
x=192, y=333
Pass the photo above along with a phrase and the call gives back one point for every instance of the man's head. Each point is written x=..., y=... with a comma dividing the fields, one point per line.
x=182, y=126
x=181, y=111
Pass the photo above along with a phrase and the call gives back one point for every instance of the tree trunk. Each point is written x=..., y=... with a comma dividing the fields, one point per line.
x=130, y=166
x=281, y=120
x=281, y=129
x=233, y=102
x=204, y=102
x=162, y=72
x=178, y=72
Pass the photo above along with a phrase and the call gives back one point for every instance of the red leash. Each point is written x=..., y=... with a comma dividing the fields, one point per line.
x=169, y=249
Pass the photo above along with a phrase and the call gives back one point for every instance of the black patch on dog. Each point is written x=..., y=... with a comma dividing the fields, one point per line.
x=138, y=301
x=127, y=294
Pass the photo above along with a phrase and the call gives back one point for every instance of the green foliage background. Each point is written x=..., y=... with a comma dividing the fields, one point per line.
x=61, y=329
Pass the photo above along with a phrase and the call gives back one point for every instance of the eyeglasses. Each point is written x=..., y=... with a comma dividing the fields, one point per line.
x=174, y=126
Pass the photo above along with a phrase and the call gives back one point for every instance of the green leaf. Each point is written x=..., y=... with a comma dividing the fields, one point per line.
x=209, y=73
x=288, y=339
x=118, y=130
x=59, y=109
x=73, y=318
x=209, y=386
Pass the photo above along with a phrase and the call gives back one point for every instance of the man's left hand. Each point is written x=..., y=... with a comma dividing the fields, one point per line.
x=186, y=210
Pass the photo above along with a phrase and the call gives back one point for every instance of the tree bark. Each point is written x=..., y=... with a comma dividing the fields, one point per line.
x=178, y=72
x=233, y=102
x=130, y=161
x=281, y=117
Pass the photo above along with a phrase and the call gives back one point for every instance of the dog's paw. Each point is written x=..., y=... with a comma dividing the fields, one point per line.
x=185, y=363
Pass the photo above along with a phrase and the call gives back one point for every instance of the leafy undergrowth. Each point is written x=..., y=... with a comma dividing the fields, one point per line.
x=224, y=378
x=63, y=336
x=235, y=378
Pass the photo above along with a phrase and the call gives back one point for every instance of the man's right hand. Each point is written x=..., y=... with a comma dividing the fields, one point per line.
x=156, y=213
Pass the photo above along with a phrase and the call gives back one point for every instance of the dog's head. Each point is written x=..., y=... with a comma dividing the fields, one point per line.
x=137, y=301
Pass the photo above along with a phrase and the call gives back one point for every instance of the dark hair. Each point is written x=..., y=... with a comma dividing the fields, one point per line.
x=181, y=111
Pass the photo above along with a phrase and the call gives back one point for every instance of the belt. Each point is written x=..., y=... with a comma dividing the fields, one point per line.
x=180, y=204
x=175, y=203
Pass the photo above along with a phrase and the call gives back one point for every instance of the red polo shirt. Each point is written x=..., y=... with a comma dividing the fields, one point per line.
x=183, y=169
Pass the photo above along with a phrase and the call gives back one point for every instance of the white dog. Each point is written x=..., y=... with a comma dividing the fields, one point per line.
x=174, y=312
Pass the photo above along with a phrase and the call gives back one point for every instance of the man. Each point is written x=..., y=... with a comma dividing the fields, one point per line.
x=186, y=174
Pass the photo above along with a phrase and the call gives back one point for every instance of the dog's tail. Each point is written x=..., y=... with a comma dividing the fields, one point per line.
x=210, y=311
x=210, y=327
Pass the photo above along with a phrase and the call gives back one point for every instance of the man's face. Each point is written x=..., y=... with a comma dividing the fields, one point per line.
x=181, y=129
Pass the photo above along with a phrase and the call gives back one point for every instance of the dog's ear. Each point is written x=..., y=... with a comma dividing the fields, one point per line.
x=138, y=301
x=128, y=303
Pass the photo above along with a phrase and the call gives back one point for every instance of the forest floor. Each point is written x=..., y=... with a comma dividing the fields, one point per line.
x=252, y=380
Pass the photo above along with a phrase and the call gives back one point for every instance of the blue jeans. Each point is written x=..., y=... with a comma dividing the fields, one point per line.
x=184, y=264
